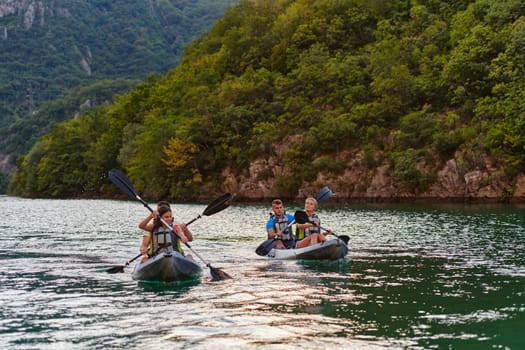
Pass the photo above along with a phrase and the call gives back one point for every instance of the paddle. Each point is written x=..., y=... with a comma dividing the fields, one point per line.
x=301, y=217
x=324, y=194
x=120, y=268
x=214, y=207
x=122, y=182
x=264, y=248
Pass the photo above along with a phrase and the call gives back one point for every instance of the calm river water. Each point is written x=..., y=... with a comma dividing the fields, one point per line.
x=417, y=277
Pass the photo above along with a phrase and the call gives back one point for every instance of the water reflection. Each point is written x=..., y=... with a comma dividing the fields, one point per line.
x=341, y=266
x=172, y=288
x=434, y=277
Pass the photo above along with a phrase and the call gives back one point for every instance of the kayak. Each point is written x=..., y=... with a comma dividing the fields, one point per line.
x=167, y=267
x=331, y=249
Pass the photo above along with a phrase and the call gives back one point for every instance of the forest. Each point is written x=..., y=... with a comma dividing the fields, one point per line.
x=413, y=79
x=59, y=57
x=51, y=47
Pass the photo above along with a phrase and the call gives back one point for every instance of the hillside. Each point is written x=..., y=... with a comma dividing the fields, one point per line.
x=50, y=50
x=20, y=135
x=380, y=100
x=48, y=47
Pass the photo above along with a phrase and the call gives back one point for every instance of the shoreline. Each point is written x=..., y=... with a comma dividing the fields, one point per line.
x=335, y=200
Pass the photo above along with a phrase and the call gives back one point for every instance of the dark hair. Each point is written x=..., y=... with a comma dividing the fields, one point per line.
x=277, y=201
x=163, y=204
x=163, y=209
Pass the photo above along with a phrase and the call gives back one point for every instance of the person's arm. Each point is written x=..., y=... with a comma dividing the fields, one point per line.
x=186, y=231
x=145, y=224
x=305, y=225
x=144, y=247
x=180, y=233
x=273, y=234
x=326, y=231
x=270, y=228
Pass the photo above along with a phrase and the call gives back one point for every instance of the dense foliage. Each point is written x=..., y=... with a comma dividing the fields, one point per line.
x=19, y=136
x=414, y=79
x=49, y=47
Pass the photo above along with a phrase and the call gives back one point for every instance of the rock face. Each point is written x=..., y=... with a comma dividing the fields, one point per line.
x=453, y=182
x=520, y=187
x=9, y=7
x=5, y=166
x=29, y=11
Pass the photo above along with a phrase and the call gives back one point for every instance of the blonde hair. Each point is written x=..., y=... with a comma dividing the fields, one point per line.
x=313, y=200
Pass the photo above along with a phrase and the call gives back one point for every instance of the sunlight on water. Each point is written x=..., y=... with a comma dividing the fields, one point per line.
x=416, y=277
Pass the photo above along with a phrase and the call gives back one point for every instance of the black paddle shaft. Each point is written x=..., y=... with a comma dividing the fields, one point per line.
x=301, y=217
x=265, y=247
x=120, y=268
x=216, y=206
x=122, y=182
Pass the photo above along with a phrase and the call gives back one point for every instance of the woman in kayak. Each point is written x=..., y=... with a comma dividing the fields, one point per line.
x=309, y=233
x=163, y=238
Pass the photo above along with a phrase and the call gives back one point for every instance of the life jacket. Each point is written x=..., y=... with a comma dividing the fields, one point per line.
x=280, y=224
x=305, y=232
x=163, y=239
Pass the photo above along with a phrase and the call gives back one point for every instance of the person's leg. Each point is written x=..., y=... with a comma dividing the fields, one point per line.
x=279, y=245
x=304, y=242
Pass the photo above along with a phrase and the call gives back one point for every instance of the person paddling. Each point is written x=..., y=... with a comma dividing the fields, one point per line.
x=278, y=226
x=159, y=238
x=309, y=233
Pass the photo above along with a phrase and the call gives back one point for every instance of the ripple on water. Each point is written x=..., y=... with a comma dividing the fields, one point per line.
x=415, y=278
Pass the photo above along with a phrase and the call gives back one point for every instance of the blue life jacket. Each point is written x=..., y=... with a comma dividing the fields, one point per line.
x=280, y=224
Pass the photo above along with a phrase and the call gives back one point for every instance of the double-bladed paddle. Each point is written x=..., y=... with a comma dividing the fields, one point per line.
x=264, y=248
x=301, y=217
x=324, y=194
x=120, y=268
x=221, y=203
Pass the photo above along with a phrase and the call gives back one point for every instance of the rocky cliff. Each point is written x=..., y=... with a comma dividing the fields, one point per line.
x=454, y=181
x=28, y=11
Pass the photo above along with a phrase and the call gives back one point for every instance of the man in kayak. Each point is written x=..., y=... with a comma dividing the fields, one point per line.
x=279, y=226
x=163, y=239
x=309, y=233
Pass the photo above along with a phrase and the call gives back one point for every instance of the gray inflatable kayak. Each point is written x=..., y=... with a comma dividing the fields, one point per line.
x=167, y=267
x=331, y=249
